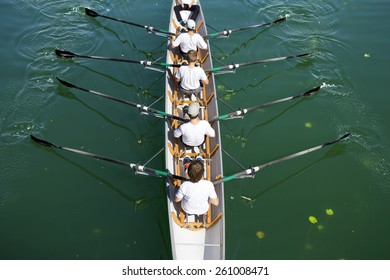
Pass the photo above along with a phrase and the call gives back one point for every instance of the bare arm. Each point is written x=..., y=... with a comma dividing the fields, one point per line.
x=214, y=201
x=204, y=78
x=178, y=199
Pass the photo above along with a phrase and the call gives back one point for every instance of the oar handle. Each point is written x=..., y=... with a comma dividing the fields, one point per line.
x=161, y=173
x=158, y=112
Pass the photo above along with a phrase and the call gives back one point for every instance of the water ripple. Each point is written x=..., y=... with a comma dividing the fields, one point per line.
x=35, y=49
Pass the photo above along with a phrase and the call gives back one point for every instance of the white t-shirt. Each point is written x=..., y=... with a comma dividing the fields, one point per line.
x=193, y=135
x=189, y=77
x=188, y=42
x=195, y=196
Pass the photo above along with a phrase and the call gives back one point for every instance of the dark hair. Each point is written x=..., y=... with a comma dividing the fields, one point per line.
x=195, y=171
x=192, y=56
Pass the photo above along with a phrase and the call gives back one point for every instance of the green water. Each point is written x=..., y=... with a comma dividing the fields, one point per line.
x=57, y=205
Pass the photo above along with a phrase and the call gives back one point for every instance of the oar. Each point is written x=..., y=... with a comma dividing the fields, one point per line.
x=242, y=112
x=136, y=167
x=253, y=170
x=226, y=33
x=148, y=28
x=68, y=54
x=142, y=108
x=235, y=66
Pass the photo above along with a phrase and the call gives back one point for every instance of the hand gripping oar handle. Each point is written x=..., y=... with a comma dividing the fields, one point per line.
x=136, y=167
x=251, y=171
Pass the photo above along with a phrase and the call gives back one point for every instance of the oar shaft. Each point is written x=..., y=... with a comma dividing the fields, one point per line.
x=142, y=108
x=147, y=27
x=253, y=170
x=235, y=66
x=67, y=84
x=226, y=33
x=135, y=167
x=242, y=112
x=123, y=21
x=272, y=59
x=108, y=58
x=257, y=168
x=259, y=25
x=307, y=93
x=68, y=54
x=52, y=145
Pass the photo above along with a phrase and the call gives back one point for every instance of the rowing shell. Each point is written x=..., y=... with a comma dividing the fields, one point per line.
x=191, y=239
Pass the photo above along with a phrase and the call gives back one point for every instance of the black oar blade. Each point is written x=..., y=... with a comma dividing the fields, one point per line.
x=337, y=140
x=91, y=13
x=312, y=91
x=279, y=20
x=300, y=55
x=66, y=54
x=344, y=136
x=42, y=142
x=65, y=83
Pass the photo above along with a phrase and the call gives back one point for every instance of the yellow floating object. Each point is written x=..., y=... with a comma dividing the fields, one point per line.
x=308, y=246
x=329, y=212
x=220, y=87
x=367, y=55
x=260, y=234
x=313, y=219
x=308, y=125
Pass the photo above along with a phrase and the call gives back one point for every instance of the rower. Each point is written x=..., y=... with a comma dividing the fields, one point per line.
x=186, y=5
x=189, y=40
x=190, y=76
x=193, y=133
x=196, y=194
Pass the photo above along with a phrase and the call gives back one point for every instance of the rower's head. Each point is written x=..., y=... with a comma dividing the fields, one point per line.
x=191, y=25
x=195, y=171
x=193, y=110
x=192, y=56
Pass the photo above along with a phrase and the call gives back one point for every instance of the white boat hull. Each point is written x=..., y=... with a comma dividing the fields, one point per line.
x=202, y=243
